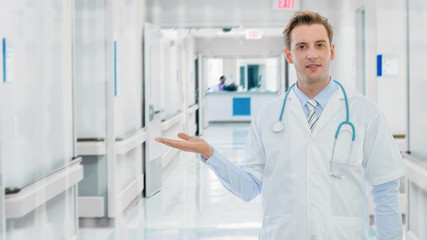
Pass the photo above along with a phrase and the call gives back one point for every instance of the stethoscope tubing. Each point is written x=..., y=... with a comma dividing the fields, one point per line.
x=347, y=118
x=284, y=101
x=278, y=126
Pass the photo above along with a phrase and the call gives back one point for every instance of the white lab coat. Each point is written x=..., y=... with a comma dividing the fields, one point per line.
x=300, y=199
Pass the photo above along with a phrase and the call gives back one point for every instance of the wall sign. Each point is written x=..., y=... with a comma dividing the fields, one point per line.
x=7, y=60
x=387, y=67
x=285, y=4
x=254, y=34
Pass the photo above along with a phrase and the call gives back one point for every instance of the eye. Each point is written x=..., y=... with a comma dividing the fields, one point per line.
x=320, y=45
x=300, y=47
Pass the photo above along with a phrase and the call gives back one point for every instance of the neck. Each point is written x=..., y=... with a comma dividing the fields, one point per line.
x=311, y=89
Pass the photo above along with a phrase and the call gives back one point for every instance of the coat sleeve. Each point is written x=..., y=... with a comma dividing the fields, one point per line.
x=245, y=180
x=382, y=159
x=234, y=178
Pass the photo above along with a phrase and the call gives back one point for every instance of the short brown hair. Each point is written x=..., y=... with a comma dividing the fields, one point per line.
x=307, y=18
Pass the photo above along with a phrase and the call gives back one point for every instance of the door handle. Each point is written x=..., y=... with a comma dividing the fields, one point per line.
x=153, y=112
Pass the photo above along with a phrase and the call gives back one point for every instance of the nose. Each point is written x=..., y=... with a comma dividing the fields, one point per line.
x=311, y=53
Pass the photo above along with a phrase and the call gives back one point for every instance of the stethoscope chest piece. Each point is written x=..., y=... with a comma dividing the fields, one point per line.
x=278, y=127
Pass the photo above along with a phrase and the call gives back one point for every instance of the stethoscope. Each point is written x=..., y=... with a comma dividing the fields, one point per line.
x=278, y=126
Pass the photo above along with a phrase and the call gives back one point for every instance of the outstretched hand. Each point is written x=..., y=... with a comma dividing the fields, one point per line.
x=190, y=144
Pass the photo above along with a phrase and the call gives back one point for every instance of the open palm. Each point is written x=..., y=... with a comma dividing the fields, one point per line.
x=190, y=144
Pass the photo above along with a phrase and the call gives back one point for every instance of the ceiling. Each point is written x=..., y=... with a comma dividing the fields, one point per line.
x=236, y=32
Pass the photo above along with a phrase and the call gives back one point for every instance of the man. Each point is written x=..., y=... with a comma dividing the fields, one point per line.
x=313, y=184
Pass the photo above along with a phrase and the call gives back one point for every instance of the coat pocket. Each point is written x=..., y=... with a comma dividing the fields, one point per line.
x=348, y=152
x=339, y=228
x=278, y=228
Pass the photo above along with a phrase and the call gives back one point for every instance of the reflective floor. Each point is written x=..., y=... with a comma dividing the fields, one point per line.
x=192, y=204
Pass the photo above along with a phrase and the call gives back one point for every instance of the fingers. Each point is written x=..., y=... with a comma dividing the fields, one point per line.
x=165, y=140
x=171, y=142
x=160, y=139
x=187, y=146
x=190, y=144
x=184, y=136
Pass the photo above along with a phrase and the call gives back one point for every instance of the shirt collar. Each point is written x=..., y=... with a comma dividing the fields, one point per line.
x=321, y=98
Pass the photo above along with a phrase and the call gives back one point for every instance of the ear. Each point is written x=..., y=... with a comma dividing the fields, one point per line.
x=288, y=56
x=332, y=52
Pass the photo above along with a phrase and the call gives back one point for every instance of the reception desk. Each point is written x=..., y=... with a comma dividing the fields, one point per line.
x=235, y=106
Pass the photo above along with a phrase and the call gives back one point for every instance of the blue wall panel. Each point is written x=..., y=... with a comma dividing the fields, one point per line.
x=241, y=106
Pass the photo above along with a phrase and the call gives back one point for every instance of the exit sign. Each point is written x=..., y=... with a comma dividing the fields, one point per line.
x=285, y=4
x=254, y=34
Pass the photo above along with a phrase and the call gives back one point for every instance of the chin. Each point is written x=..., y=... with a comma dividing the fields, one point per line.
x=313, y=80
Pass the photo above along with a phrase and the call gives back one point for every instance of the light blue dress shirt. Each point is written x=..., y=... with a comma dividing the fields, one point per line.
x=321, y=98
x=386, y=196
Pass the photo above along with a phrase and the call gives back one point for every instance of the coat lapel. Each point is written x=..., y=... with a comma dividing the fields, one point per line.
x=296, y=108
x=331, y=109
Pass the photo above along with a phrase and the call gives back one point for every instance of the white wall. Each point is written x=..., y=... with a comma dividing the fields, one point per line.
x=392, y=44
x=212, y=73
x=171, y=82
x=386, y=29
x=250, y=13
x=189, y=73
x=239, y=47
x=343, y=22
x=418, y=79
x=36, y=117
x=215, y=13
x=271, y=81
x=128, y=114
x=386, y=34
x=230, y=70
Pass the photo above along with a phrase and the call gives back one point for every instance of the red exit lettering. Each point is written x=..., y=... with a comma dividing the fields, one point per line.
x=286, y=4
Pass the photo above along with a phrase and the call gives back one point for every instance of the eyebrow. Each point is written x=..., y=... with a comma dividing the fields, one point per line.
x=321, y=41
x=318, y=41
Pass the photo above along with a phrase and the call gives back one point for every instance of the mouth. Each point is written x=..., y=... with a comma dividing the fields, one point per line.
x=313, y=66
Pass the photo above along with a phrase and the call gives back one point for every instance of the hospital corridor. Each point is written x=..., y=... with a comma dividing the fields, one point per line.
x=192, y=203
x=213, y=120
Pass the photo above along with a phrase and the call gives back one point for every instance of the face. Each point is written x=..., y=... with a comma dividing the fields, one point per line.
x=311, y=53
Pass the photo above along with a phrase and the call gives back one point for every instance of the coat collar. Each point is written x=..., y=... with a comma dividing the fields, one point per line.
x=350, y=93
x=332, y=107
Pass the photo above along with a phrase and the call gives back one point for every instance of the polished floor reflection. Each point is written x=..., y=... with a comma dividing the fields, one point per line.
x=192, y=204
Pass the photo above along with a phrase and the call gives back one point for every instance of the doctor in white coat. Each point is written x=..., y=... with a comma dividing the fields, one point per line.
x=311, y=174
